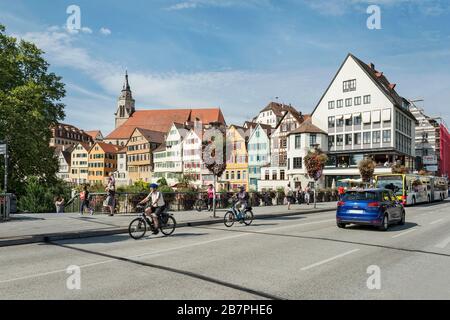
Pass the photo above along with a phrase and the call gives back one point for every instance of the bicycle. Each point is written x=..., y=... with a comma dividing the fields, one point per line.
x=139, y=226
x=233, y=215
x=202, y=204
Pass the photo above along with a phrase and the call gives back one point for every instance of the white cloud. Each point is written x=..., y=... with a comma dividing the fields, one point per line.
x=105, y=31
x=86, y=30
x=192, y=4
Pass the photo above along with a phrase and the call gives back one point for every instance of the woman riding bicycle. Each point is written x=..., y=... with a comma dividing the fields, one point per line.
x=156, y=206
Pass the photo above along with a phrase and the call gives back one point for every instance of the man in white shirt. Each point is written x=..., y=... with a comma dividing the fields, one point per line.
x=156, y=206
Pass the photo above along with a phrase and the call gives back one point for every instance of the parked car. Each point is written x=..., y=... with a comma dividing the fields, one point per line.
x=375, y=207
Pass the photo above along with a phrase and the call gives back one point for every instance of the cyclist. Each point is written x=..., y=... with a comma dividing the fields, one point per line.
x=156, y=207
x=242, y=202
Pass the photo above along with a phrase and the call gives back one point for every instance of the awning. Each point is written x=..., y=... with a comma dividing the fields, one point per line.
x=356, y=115
x=348, y=116
x=386, y=115
x=366, y=117
x=376, y=116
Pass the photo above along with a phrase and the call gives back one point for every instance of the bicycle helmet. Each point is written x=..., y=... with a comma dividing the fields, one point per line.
x=154, y=186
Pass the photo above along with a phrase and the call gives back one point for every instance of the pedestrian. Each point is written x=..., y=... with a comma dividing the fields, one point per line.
x=299, y=194
x=307, y=195
x=84, y=199
x=59, y=204
x=289, y=196
x=211, y=195
x=111, y=191
x=341, y=191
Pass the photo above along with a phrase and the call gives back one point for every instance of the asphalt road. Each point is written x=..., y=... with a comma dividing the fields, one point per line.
x=297, y=257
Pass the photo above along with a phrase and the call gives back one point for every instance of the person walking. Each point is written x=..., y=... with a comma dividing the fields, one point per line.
x=307, y=195
x=299, y=194
x=84, y=199
x=111, y=190
x=289, y=196
x=341, y=191
x=59, y=204
x=211, y=195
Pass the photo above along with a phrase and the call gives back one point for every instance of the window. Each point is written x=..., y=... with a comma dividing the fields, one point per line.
x=357, y=101
x=340, y=122
x=357, y=138
x=348, y=102
x=238, y=175
x=330, y=142
x=339, y=140
x=297, y=163
x=376, y=136
x=340, y=103
x=267, y=175
x=274, y=175
x=283, y=142
x=357, y=120
x=331, y=104
x=348, y=139
x=348, y=122
x=298, y=141
x=232, y=175
x=312, y=141
x=366, y=99
x=331, y=122
x=366, y=137
x=386, y=136
x=282, y=175
x=349, y=85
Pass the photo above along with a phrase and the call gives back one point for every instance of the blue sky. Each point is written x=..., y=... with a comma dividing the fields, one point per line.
x=237, y=55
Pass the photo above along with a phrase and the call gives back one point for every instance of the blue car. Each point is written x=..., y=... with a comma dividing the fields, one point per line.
x=374, y=207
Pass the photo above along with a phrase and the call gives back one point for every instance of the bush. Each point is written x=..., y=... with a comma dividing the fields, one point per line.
x=40, y=197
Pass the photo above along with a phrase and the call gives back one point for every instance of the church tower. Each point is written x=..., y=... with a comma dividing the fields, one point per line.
x=125, y=104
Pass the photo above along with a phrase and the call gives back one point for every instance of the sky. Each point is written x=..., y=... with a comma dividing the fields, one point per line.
x=234, y=54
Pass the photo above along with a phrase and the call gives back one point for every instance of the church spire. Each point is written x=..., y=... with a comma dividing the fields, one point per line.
x=126, y=85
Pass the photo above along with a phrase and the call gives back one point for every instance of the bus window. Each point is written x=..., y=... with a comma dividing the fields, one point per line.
x=394, y=183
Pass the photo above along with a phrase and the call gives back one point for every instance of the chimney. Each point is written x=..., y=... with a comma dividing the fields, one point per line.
x=392, y=86
x=372, y=66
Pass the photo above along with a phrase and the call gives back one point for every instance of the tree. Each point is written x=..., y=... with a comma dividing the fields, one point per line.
x=366, y=169
x=29, y=105
x=399, y=169
x=315, y=161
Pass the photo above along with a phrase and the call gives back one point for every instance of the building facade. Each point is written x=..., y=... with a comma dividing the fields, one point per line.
x=79, y=169
x=121, y=174
x=258, y=153
x=364, y=117
x=65, y=136
x=236, y=173
x=140, y=150
x=64, y=164
x=102, y=161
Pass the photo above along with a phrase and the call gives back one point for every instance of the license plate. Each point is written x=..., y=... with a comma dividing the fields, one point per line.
x=356, y=211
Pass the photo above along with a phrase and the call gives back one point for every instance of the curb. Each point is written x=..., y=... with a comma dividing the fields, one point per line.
x=99, y=233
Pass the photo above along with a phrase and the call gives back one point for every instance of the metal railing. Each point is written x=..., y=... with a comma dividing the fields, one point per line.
x=5, y=207
x=179, y=201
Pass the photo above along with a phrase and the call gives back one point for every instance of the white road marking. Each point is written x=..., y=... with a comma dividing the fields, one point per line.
x=437, y=221
x=167, y=250
x=402, y=234
x=443, y=244
x=329, y=260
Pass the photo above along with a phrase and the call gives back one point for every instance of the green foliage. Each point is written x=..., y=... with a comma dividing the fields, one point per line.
x=40, y=197
x=399, y=169
x=366, y=169
x=162, y=182
x=29, y=105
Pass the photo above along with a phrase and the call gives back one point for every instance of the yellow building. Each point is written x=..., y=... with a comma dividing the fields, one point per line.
x=79, y=163
x=140, y=150
x=102, y=161
x=236, y=173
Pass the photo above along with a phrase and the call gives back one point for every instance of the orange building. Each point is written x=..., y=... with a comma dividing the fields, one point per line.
x=102, y=161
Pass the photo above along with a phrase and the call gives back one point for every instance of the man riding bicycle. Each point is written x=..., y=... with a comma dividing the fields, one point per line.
x=242, y=198
x=156, y=207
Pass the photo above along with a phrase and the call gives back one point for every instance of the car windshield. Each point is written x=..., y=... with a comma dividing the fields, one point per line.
x=360, y=195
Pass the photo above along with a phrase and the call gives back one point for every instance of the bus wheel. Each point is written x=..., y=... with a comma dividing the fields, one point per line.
x=414, y=201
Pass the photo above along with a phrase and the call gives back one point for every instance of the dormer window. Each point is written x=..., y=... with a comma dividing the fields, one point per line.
x=349, y=85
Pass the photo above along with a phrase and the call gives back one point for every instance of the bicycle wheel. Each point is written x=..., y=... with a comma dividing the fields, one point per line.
x=169, y=226
x=248, y=218
x=199, y=205
x=137, y=228
x=228, y=219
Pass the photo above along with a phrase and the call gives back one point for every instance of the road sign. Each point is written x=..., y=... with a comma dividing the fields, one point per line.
x=2, y=149
x=429, y=160
x=432, y=168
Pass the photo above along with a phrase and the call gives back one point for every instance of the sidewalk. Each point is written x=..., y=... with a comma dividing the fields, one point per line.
x=32, y=228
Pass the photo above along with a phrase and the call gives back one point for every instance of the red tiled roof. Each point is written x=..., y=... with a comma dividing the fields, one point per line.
x=152, y=136
x=107, y=147
x=307, y=127
x=93, y=133
x=162, y=120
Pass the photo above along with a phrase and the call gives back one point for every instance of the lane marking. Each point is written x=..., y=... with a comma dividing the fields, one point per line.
x=329, y=260
x=437, y=221
x=402, y=234
x=167, y=250
x=443, y=244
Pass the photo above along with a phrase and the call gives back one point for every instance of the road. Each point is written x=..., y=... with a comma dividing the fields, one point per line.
x=297, y=257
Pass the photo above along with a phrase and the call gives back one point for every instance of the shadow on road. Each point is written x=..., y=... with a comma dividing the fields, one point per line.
x=19, y=218
x=392, y=228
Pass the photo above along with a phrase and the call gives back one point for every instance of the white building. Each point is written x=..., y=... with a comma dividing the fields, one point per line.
x=364, y=116
x=300, y=142
x=168, y=158
x=121, y=175
x=272, y=114
x=64, y=162
x=258, y=152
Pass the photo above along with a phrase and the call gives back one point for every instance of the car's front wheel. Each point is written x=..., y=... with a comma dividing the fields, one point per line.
x=403, y=220
x=385, y=224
